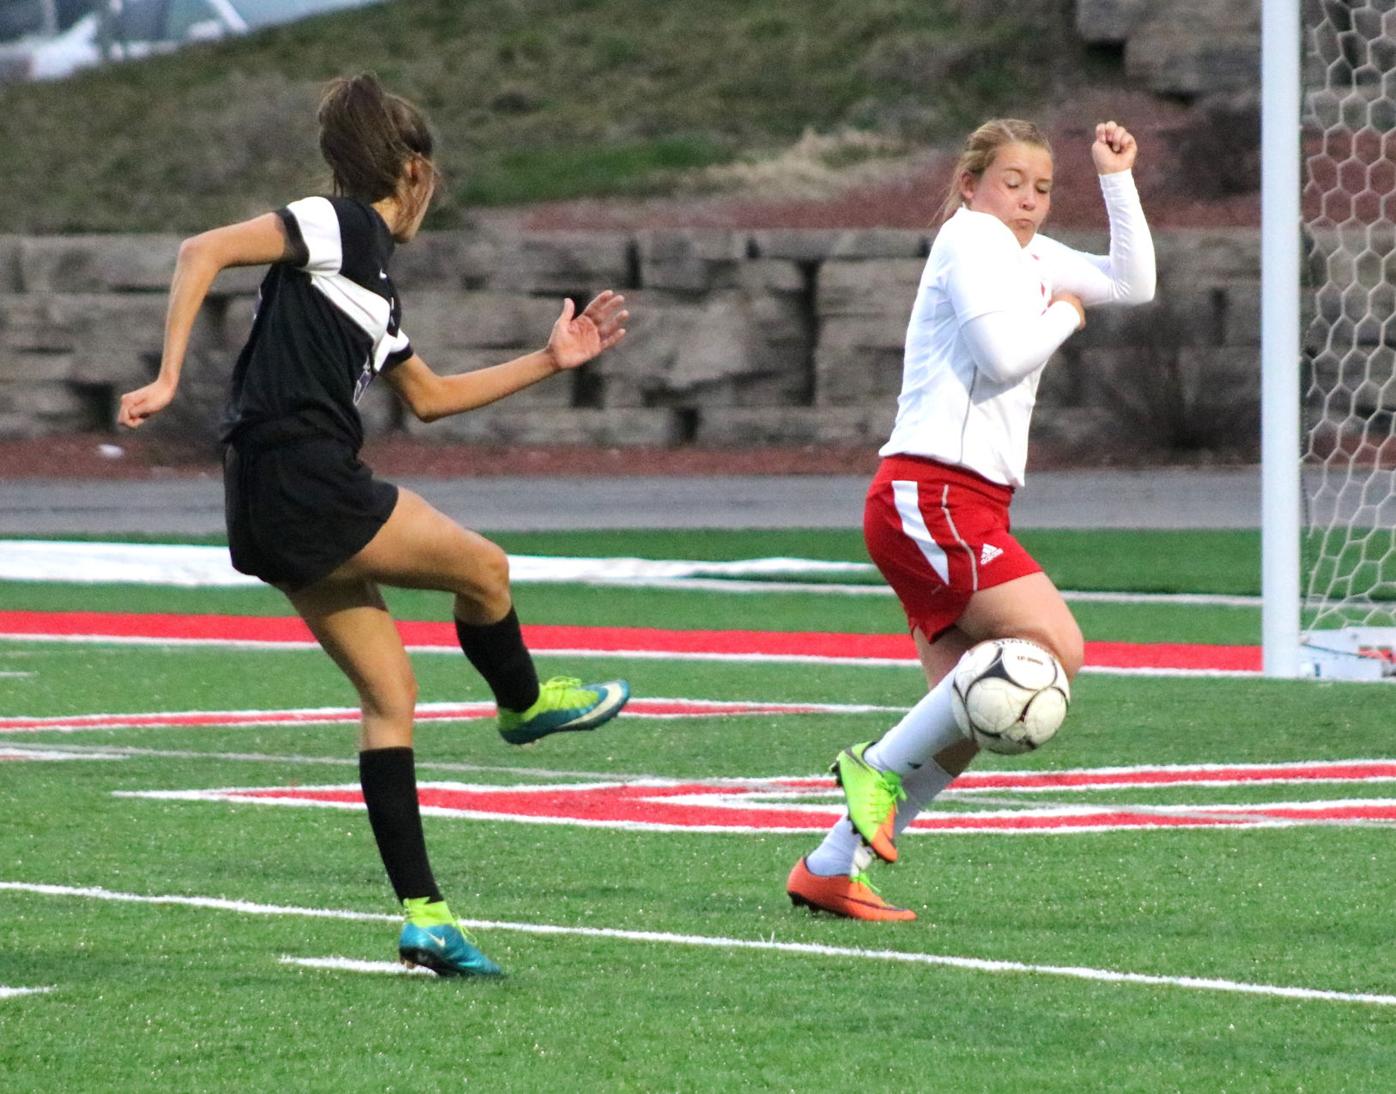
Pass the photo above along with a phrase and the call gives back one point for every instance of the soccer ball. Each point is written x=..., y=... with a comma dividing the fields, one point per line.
x=1009, y=695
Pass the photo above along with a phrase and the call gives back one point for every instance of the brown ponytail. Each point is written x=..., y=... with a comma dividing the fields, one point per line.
x=368, y=136
x=980, y=149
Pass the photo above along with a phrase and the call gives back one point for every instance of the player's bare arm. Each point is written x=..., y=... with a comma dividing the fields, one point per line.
x=255, y=242
x=574, y=340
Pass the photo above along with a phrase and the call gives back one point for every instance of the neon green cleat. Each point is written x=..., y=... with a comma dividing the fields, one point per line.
x=564, y=705
x=872, y=798
x=431, y=938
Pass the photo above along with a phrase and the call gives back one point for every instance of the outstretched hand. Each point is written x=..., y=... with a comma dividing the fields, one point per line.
x=1114, y=148
x=577, y=339
x=144, y=402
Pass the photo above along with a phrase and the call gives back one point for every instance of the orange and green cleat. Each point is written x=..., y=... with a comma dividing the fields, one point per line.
x=872, y=798
x=852, y=897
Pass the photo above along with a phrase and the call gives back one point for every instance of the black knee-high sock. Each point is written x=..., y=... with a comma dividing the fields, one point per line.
x=498, y=653
x=389, y=780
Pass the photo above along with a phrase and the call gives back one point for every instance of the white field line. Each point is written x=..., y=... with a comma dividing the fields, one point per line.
x=1009, y=806
x=1156, y=776
x=107, y=751
x=1116, y=670
x=851, y=662
x=722, y=585
x=572, y=654
x=817, y=588
x=10, y=993
x=823, y=588
x=200, y=566
x=648, y=707
x=966, y=796
x=452, y=651
x=820, y=588
x=196, y=565
x=1122, y=777
x=350, y=964
x=20, y=752
x=806, y=949
x=969, y=795
x=1229, y=817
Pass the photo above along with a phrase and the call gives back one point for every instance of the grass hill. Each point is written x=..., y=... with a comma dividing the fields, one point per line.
x=532, y=100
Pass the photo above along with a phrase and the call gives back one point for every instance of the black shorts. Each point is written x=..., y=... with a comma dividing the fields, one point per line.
x=298, y=506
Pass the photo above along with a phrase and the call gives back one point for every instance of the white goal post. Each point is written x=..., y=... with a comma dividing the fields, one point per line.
x=1328, y=337
x=1279, y=335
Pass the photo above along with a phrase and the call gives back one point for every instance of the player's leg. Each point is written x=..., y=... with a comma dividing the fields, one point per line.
x=833, y=876
x=945, y=546
x=915, y=532
x=1027, y=607
x=927, y=744
x=896, y=777
x=930, y=553
x=844, y=851
x=928, y=733
x=351, y=623
x=924, y=784
x=421, y=548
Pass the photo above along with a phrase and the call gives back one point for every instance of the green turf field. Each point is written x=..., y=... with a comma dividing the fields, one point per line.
x=671, y=960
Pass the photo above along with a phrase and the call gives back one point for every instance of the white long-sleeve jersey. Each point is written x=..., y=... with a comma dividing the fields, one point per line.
x=983, y=327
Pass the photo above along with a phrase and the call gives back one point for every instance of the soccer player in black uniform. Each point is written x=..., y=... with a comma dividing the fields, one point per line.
x=306, y=516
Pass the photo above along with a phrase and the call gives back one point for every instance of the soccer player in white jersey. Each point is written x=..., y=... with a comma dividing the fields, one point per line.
x=307, y=517
x=996, y=299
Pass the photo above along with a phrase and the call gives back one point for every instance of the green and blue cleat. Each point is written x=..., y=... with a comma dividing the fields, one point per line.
x=564, y=705
x=432, y=939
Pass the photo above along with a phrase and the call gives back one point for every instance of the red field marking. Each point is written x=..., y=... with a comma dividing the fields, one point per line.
x=1071, y=780
x=757, y=806
x=848, y=648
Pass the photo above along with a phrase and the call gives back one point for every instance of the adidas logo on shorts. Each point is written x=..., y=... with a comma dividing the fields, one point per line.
x=988, y=553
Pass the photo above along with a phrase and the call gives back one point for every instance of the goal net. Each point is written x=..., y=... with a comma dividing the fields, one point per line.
x=1348, y=378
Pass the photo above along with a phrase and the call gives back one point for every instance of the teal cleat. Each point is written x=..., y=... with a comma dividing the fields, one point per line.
x=432, y=939
x=564, y=705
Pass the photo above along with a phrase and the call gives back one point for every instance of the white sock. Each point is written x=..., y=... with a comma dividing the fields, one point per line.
x=836, y=854
x=927, y=728
x=843, y=851
x=922, y=787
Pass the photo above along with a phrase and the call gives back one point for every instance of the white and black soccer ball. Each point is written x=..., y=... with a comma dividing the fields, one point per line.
x=1009, y=695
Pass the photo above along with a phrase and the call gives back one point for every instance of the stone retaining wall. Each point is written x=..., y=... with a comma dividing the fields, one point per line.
x=736, y=338
x=1183, y=48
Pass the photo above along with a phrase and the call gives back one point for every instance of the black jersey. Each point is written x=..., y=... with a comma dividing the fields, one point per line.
x=327, y=322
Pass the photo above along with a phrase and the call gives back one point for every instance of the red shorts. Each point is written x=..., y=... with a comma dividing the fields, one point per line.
x=939, y=534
